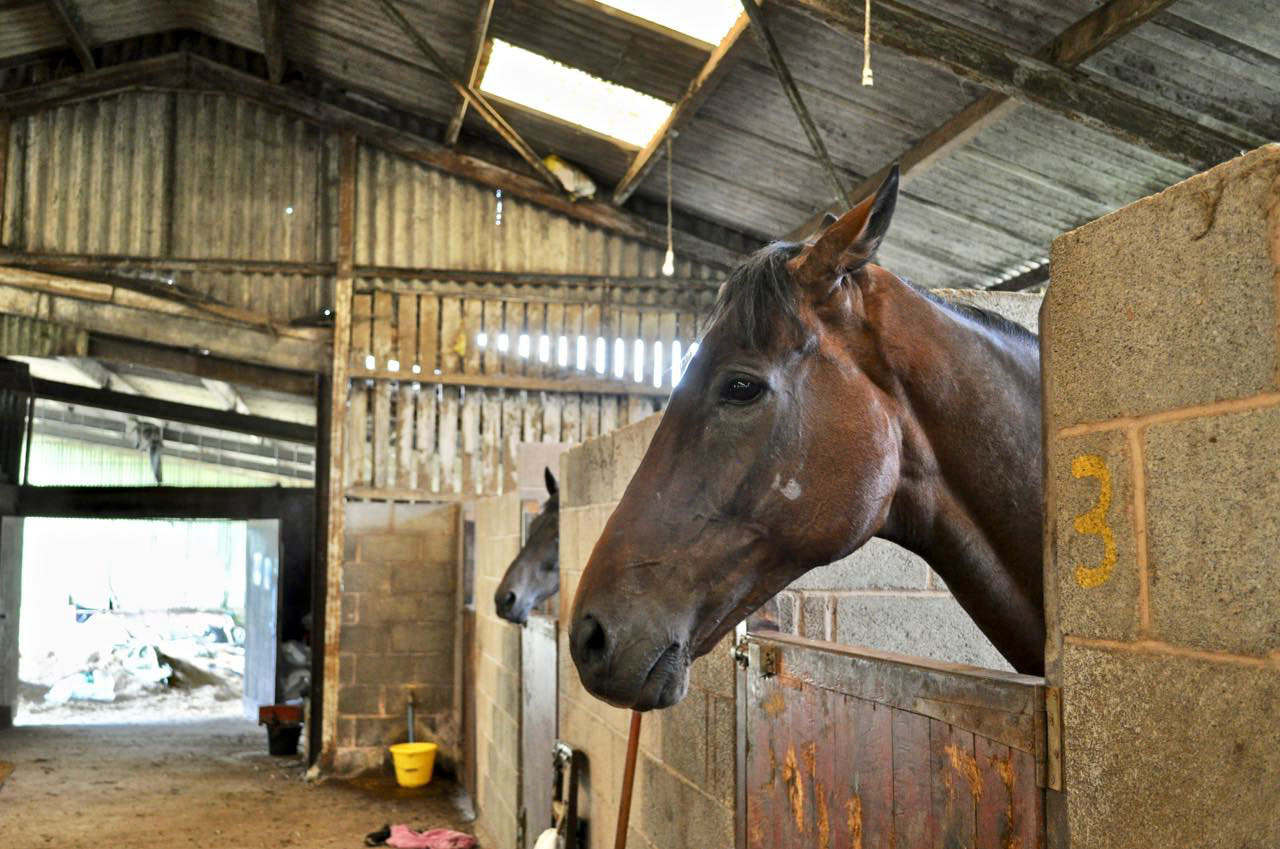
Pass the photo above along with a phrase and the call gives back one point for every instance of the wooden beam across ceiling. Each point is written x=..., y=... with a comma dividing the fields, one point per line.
x=73, y=29
x=477, y=100
x=699, y=89
x=1068, y=49
x=1035, y=79
x=187, y=72
x=271, y=21
x=477, y=57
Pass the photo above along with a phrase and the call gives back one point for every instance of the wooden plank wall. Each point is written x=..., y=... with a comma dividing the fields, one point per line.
x=448, y=378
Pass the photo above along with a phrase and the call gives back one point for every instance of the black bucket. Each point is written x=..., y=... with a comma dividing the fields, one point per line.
x=283, y=739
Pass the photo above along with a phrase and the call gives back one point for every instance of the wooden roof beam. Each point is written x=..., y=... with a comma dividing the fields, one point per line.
x=226, y=395
x=477, y=58
x=697, y=92
x=99, y=375
x=472, y=96
x=73, y=28
x=1044, y=79
x=271, y=21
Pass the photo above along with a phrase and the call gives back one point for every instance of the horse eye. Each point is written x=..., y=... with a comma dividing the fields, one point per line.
x=741, y=390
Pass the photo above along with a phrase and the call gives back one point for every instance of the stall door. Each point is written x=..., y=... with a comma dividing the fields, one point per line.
x=538, y=666
x=261, y=606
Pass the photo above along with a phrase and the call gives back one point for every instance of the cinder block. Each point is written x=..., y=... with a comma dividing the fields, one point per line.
x=417, y=637
x=349, y=607
x=434, y=520
x=1170, y=751
x=431, y=698
x=362, y=517
x=1021, y=307
x=348, y=762
x=723, y=750
x=380, y=731
x=629, y=446
x=406, y=607
x=366, y=577
x=396, y=669
x=1095, y=565
x=1169, y=302
x=879, y=564
x=419, y=577
x=715, y=672
x=676, y=815
x=382, y=548
x=683, y=736
x=925, y=626
x=813, y=617
x=363, y=639
x=1213, y=520
x=585, y=477
x=359, y=699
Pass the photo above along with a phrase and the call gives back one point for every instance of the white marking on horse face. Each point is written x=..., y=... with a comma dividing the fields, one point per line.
x=791, y=491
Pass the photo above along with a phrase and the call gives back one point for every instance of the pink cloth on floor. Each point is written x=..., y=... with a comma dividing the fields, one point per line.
x=403, y=837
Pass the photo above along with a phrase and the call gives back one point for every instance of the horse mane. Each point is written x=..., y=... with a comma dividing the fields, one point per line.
x=759, y=292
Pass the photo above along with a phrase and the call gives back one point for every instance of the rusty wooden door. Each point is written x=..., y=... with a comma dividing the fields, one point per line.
x=849, y=748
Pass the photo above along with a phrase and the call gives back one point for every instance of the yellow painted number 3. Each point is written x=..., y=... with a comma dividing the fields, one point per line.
x=1094, y=521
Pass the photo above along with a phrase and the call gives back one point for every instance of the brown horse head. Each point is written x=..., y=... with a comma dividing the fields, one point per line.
x=811, y=418
x=534, y=576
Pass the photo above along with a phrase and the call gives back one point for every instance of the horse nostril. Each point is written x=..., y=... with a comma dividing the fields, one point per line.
x=592, y=641
x=506, y=602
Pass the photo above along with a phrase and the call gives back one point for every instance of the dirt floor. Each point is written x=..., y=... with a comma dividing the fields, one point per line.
x=208, y=783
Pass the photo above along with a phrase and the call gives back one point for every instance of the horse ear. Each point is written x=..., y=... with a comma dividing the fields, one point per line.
x=550, y=479
x=853, y=238
x=828, y=219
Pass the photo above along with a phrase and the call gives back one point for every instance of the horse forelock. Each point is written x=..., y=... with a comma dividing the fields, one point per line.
x=759, y=294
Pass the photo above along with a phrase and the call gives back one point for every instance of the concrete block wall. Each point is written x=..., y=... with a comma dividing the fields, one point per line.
x=883, y=596
x=684, y=788
x=398, y=632
x=497, y=672
x=1162, y=421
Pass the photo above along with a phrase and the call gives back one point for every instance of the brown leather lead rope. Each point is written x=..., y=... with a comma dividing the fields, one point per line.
x=628, y=780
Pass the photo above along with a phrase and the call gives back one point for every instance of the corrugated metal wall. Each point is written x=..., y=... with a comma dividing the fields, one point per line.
x=208, y=176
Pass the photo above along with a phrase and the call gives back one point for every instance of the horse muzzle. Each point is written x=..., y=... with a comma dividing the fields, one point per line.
x=626, y=671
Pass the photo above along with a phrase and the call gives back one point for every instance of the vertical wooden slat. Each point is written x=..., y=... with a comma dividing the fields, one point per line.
x=406, y=405
x=553, y=327
x=912, y=794
x=629, y=330
x=531, y=421
x=534, y=320
x=513, y=324
x=428, y=459
x=383, y=331
x=491, y=439
x=591, y=320
x=512, y=406
x=667, y=336
x=383, y=470
x=1028, y=802
x=608, y=414
x=450, y=475
x=6, y=124
x=428, y=334
x=571, y=418
x=572, y=329
x=407, y=330
x=956, y=785
x=472, y=321
x=357, y=424
x=470, y=426
x=490, y=359
x=453, y=339
x=590, y=416
x=361, y=324
x=552, y=408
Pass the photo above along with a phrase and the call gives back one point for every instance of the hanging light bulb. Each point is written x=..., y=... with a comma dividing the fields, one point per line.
x=669, y=261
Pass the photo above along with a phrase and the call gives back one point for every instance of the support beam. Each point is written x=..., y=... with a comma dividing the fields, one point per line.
x=157, y=502
x=699, y=89
x=761, y=30
x=1026, y=280
x=184, y=71
x=133, y=352
x=1072, y=46
x=141, y=405
x=477, y=57
x=227, y=394
x=1075, y=96
x=475, y=98
x=99, y=375
x=5, y=125
x=271, y=21
x=73, y=29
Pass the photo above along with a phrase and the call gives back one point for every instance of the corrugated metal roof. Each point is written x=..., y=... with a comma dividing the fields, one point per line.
x=743, y=162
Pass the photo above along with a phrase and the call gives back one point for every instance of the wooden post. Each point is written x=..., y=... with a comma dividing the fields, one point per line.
x=477, y=58
x=5, y=124
x=628, y=781
x=343, y=287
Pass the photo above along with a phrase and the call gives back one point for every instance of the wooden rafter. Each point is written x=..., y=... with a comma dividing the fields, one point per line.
x=760, y=27
x=185, y=71
x=1031, y=79
x=73, y=29
x=477, y=56
x=227, y=394
x=1068, y=49
x=99, y=375
x=271, y=21
x=477, y=100
x=697, y=92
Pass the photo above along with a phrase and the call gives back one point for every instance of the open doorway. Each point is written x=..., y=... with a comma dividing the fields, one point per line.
x=146, y=620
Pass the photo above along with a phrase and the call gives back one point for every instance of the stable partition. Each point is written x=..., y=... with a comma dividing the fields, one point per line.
x=1162, y=420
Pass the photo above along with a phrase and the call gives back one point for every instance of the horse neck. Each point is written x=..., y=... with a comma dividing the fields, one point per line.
x=969, y=500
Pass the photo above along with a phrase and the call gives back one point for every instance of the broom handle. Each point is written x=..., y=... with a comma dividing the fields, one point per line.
x=628, y=780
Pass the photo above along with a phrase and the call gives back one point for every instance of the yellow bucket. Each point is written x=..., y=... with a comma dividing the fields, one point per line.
x=414, y=763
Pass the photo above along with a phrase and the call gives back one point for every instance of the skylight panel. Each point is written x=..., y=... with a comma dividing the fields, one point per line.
x=537, y=82
x=705, y=20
